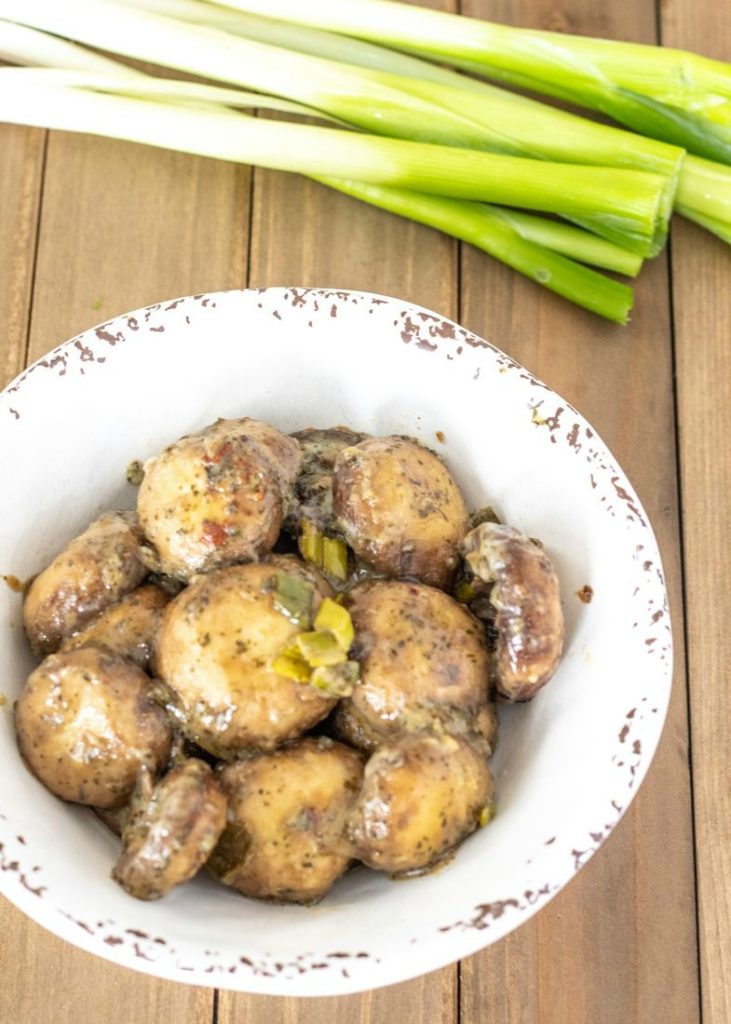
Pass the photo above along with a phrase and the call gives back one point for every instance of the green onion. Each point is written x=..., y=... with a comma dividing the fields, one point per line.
x=320, y=649
x=309, y=543
x=669, y=94
x=292, y=667
x=718, y=227
x=292, y=597
x=169, y=90
x=489, y=230
x=77, y=66
x=488, y=118
x=486, y=815
x=507, y=123
x=492, y=234
x=377, y=101
x=335, y=557
x=569, y=241
x=336, y=680
x=23, y=45
x=437, y=170
x=619, y=201
x=320, y=656
x=333, y=618
x=516, y=124
x=314, y=42
x=704, y=195
x=330, y=554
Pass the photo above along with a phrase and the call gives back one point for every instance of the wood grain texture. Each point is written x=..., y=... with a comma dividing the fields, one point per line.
x=46, y=979
x=22, y=152
x=703, y=357
x=617, y=946
x=117, y=227
x=431, y=999
x=121, y=226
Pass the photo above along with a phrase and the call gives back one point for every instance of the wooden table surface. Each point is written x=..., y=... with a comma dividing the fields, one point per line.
x=90, y=228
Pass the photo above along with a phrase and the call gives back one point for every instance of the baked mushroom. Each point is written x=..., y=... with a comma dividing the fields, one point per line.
x=86, y=726
x=171, y=830
x=422, y=795
x=525, y=594
x=94, y=571
x=313, y=489
x=215, y=650
x=399, y=508
x=285, y=838
x=216, y=497
x=115, y=818
x=127, y=628
x=423, y=664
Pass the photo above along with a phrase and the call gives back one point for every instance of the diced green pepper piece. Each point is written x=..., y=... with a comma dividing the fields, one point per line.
x=335, y=558
x=335, y=619
x=320, y=649
x=336, y=680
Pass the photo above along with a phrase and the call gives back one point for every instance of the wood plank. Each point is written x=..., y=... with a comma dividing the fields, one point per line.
x=304, y=234
x=21, y=168
x=618, y=944
x=701, y=290
x=431, y=999
x=124, y=226
x=46, y=979
x=121, y=226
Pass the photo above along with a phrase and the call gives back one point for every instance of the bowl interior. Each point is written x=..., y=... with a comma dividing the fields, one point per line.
x=567, y=764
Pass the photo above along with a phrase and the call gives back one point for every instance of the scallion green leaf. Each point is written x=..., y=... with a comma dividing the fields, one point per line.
x=620, y=202
x=656, y=91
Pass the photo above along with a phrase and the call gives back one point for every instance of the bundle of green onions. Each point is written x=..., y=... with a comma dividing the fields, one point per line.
x=401, y=133
x=669, y=94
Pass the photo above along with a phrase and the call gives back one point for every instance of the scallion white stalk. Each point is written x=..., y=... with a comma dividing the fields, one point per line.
x=74, y=65
x=29, y=47
x=372, y=100
x=314, y=42
x=517, y=124
x=628, y=198
x=657, y=91
x=554, y=235
x=420, y=104
x=50, y=100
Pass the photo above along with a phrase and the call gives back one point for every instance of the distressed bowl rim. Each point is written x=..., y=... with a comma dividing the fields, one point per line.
x=492, y=922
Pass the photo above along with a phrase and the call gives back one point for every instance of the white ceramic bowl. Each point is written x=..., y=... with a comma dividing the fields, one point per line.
x=567, y=765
